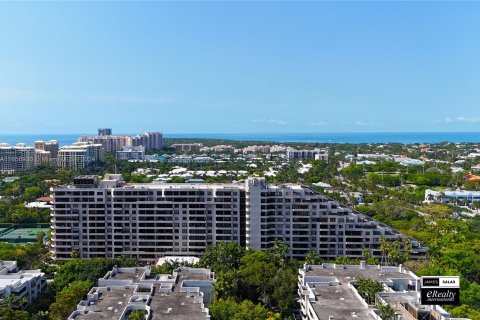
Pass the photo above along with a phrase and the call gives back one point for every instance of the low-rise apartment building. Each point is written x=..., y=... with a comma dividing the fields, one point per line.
x=328, y=292
x=463, y=197
x=182, y=295
x=315, y=154
x=27, y=284
x=189, y=147
x=147, y=221
x=131, y=153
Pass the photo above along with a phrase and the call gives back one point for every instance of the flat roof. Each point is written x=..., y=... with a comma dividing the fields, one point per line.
x=110, y=305
x=339, y=300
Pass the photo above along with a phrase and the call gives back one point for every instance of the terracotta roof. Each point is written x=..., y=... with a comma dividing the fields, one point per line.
x=45, y=199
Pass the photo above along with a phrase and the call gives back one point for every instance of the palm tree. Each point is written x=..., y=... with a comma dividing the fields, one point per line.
x=388, y=313
x=368, y=288
x=385, y=248
x=13, y=301
x=313, y=258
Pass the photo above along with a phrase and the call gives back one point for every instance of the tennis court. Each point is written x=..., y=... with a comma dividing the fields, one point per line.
x=22, y=235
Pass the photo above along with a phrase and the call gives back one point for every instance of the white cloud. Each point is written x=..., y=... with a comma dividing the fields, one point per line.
x=362, y=123
x=318, y=124
x=466, y=119
x=457, y=119
x=272, y=121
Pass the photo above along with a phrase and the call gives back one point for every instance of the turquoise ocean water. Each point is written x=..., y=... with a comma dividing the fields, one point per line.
x=364, y=137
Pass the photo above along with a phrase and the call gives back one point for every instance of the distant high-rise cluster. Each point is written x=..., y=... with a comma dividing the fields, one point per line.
x=18, y=157
x=88, y=150
x=111, y=143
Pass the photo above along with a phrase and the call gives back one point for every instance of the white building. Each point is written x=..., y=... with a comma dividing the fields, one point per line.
x=328, y=292
x=148, y=221
x=373, y=156
x=79, y=155
x=184, y=294
x=109, y=143
x=131, y=153
x=409, y=162
x=315, y=154
x=456, y=196
x=189, y=147
x=25, y=283
x=15, y=158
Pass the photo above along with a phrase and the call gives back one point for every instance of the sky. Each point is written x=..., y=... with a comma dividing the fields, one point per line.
x=239, y=67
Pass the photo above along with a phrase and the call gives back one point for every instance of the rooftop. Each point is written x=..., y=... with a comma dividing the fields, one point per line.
x=180, y=296
x=330, y=290
x=110, y=304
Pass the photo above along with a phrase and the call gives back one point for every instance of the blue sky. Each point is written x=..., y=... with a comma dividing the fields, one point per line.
x=239, y=67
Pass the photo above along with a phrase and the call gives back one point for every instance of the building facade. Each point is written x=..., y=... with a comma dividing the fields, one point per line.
x=458, y=197
x=147, y=221
x=131, y=153
x=79, y=155
x=27, y=284
x=51, y=146
x=15, y=158
x=315, y=154
x=329, y=292
x=105, y=131
x=189, y=147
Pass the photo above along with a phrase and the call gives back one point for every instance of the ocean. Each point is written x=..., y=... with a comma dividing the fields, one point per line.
x=363, y=137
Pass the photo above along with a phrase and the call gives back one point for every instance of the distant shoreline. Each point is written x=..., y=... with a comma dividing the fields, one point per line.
x=328, y=138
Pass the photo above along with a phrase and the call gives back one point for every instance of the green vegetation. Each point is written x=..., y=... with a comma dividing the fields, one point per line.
x=262, y=285
x=368, y=288
x=137, y=315
x=252, y=284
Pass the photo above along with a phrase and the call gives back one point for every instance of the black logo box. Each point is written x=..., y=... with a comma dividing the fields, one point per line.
x=430, y=282
x=448, y=296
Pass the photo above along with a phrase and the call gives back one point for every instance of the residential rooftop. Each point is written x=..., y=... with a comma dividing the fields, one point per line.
x=329, y=291
x=181, y=295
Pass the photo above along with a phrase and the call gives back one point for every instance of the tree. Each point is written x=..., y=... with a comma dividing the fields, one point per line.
x=279, y=253
x=222, y=256
x=387, y=312
x=229, y=309
x=32, y=193
x=137, y=315
x=12, y=314
x=368, y=288
x=258, y=272
x=313, y=258
x=228, y=284
x=40, y=236
x=87, y=270
x=13, y=301
x=68, y=298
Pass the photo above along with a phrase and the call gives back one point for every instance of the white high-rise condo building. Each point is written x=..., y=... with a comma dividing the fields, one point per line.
x=79, y=155
x=14, y=158
x=111, y=218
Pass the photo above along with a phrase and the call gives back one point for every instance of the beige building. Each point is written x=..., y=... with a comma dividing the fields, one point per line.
x=79, y=155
